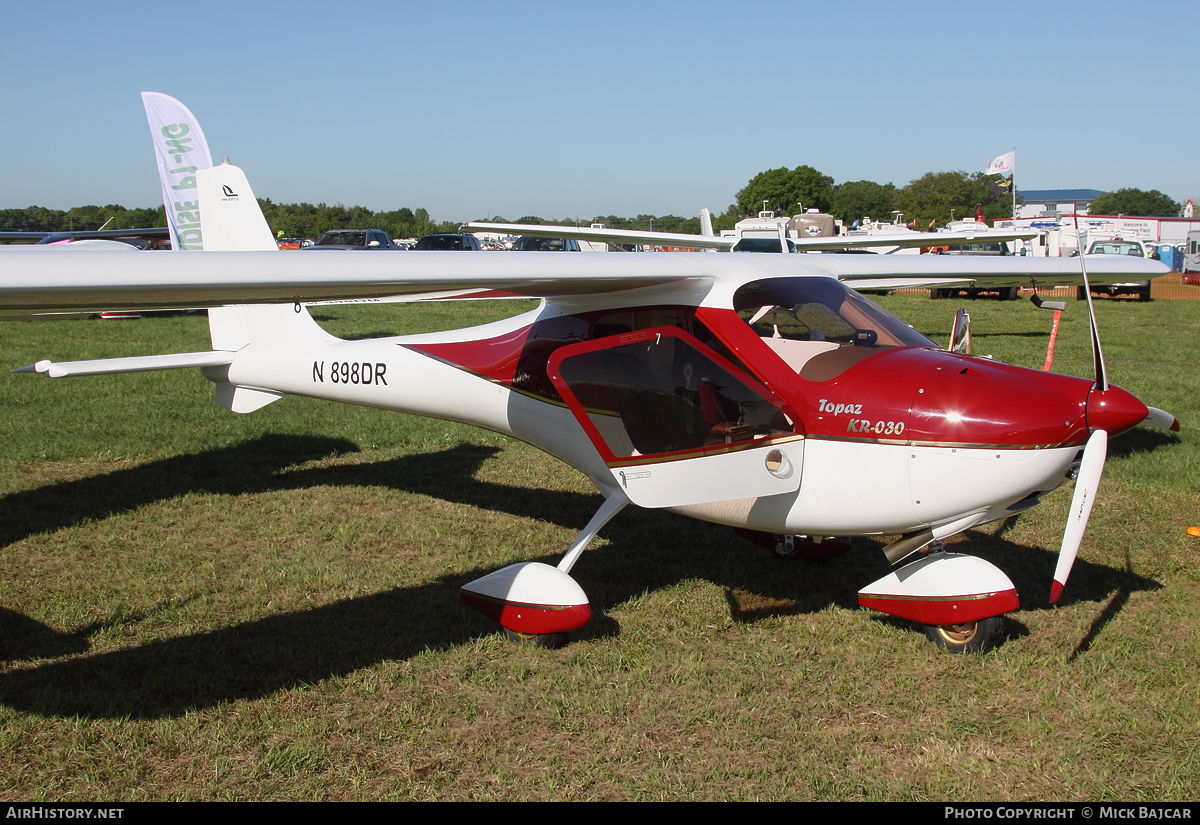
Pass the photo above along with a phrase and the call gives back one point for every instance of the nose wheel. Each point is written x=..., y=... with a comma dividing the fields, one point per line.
x=969, y=637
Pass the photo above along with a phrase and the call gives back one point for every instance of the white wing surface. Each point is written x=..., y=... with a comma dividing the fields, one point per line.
x=613, y=236
x=904, y=240
x=52, y=280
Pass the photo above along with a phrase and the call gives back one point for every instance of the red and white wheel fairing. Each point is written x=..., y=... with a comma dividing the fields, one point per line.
x=943, y=589
x=530, y=597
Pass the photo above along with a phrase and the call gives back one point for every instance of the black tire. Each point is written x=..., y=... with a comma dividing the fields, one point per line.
x=1080, y=294
x=934, y=294
x=550, y=641
x=972, y=637
x=1010, y=294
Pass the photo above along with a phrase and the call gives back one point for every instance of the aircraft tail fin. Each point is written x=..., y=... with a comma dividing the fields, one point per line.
x=706, y=225
x=271, y=326
x=230, y=217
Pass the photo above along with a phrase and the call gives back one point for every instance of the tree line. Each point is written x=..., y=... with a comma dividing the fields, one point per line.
x=930, y=200
x=933, y=199
x=78, y=218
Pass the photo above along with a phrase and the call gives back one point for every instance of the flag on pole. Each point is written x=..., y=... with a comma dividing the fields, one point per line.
x=1002, y=164
x=180, y=148
x=1002, y=187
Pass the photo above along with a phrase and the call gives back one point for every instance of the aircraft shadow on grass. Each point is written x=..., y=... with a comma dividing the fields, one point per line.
x=644, y=551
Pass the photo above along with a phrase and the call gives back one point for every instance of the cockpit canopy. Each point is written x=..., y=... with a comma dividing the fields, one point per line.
x=819, y=309
x=819, y=326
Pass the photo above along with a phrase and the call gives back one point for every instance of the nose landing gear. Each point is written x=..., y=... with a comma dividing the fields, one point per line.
x=971, y=637
x=961, y=600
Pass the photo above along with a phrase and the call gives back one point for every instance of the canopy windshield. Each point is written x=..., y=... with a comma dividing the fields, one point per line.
x=820, y=309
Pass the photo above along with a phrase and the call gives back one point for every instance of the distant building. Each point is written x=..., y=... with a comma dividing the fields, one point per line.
x=1054, y=202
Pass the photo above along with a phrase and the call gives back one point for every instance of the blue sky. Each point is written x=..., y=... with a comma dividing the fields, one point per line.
x=577, y=109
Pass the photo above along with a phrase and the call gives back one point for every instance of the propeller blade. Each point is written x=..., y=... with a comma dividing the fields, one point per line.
x=1081, y=508
x=1097, y=353
x=1155, y=418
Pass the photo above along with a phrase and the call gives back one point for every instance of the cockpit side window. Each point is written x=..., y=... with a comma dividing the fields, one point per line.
x=548, y=335
x=661, y=391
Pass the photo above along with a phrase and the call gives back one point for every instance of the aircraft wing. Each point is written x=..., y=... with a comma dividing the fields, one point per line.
x=155, y=233
x=724, y=244
x=871, y=272
x=60, y=279
x=613, y=236
x=908, y=240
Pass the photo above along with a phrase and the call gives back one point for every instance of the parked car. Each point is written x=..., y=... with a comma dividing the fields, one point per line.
x=1120, y=246
x=354, y=239
x=465, y=241
x=528, y=243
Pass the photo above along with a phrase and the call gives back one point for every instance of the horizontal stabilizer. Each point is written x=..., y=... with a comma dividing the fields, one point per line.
x=138, y=363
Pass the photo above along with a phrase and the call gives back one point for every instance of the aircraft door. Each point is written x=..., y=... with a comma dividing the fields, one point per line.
x=676, y=423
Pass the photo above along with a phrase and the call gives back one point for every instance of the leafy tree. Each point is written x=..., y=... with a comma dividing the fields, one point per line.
x=727, y=219
x=305, y=220
x=935, y=196
x=123, y=218
x=40, y=219
x=786, y=191
x=1135, y=202
x=855, y=200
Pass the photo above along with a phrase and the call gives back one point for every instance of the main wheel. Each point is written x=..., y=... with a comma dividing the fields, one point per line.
x=966, y=638
x=1010, y=294
x=934, y=294
x=550, y=641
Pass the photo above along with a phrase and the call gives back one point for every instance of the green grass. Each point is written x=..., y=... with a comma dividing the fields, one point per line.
x=200, y=605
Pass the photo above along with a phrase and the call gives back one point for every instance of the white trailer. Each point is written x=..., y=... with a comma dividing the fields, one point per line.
x=1191, y=252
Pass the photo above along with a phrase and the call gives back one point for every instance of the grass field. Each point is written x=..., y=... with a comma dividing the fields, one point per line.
x=200, y=605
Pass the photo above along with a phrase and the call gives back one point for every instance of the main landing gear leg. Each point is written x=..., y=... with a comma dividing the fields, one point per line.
x=538, y=603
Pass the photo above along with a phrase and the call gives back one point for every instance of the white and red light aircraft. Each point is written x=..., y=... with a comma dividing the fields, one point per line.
x=757, y=391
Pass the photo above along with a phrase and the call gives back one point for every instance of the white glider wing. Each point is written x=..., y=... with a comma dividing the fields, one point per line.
x=910, y=240
x=904, y=240
x=605, y=235
x=874, y=272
